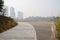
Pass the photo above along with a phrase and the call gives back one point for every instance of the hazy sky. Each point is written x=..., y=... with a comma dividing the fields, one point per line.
x=42, y=8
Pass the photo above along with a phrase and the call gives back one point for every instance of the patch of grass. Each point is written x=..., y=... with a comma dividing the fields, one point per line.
x=6, y=23
x=58, y=28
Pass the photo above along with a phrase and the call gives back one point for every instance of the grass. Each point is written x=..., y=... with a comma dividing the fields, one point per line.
x=58, y=28
x=6, y=23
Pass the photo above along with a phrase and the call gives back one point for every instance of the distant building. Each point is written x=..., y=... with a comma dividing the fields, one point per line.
x=12, y=12
x=20, y=15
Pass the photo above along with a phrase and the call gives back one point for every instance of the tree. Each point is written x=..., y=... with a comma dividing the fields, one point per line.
x=1, y=5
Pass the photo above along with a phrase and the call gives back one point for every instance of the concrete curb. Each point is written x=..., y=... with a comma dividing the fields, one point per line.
x=53, y=30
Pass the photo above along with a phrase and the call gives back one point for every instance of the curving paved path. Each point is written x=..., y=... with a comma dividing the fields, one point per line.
x=23, y=31
x=43, y=30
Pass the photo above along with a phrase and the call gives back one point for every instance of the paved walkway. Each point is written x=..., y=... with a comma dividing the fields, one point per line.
x=22, y=31
x=43, y=30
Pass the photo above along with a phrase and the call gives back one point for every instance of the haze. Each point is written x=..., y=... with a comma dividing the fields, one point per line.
x=43, y=8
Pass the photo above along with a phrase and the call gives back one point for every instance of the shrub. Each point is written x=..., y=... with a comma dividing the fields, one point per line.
x=6, y=23
x=58, y=28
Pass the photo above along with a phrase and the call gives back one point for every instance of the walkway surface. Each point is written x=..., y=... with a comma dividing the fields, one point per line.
x=22, y=31
x=25, y=31
x=44, y=30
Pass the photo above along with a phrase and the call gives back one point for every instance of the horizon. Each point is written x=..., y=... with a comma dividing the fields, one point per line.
x=43, y=8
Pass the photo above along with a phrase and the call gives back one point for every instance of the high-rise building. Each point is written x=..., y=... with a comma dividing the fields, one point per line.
x=12, y=12
x=20, y=15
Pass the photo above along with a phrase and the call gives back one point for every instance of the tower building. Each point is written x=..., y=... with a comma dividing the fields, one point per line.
x=12, y=12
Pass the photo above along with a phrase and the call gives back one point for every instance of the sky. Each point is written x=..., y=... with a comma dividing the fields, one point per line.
x=42, y=8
